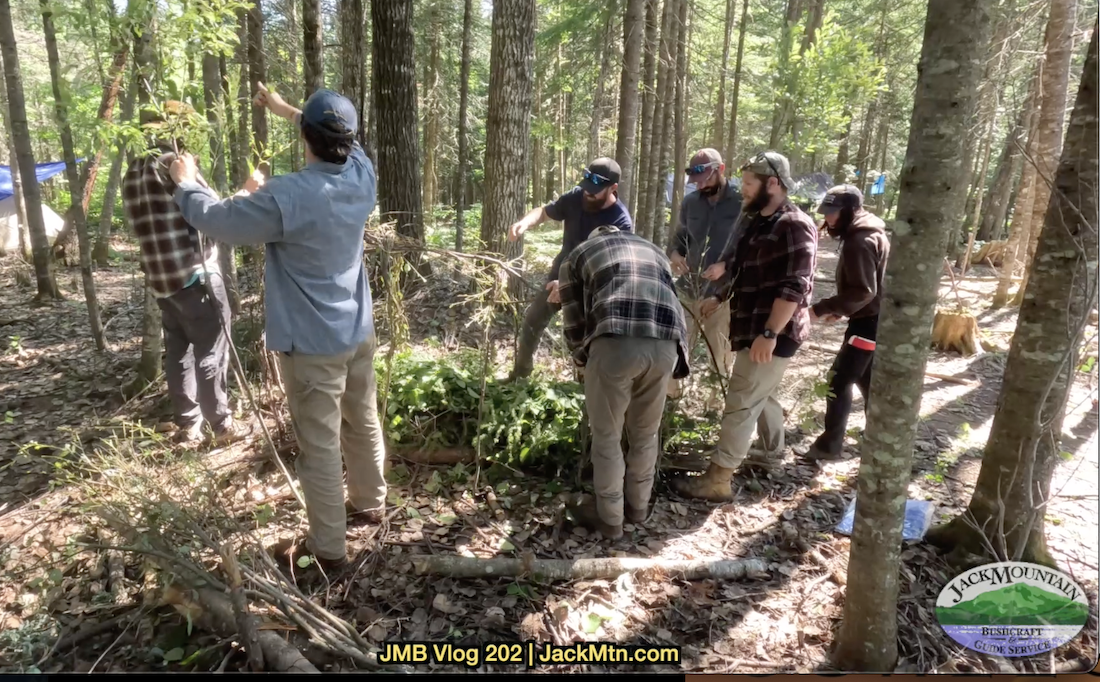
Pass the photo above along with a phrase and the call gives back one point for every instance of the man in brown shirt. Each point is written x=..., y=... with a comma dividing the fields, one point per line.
x=770, y=270
x=864, y=251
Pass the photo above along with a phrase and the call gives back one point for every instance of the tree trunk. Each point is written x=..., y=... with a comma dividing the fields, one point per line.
x=76, y=214
x=656, y=182
x=996, y=204
x=463, y=110
x=559, y=120
x=931, y=195
x=649, y=98
x=784, y=79
x=1009, y=500
x=149, y=365
x=312, y=39
x=1052, y=112
x=101, y=251
x=508, y=127
x=663, y=145
x=842, y=151
x=353, y=69
x=863, y=151
x=21, y=139
x=257, y=73
x=291, y=11
x=731, y=139
x=433, y=114
x=605, y=46
x=394, y=83
x=963, y=262
x=791, y=119
x=682, y=70
x=214, y=96
x=625, y=141
x=16, y=182
x=719, y=130
x=538, y=164
x=244, y=102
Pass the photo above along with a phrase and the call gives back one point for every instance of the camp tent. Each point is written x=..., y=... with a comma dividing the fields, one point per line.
x=9, y=218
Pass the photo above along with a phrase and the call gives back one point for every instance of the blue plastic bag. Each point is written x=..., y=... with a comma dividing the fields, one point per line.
x=918, y=518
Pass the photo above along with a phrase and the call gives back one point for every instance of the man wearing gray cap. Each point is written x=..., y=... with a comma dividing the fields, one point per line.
x=318, y=308
x=860, y=271
x=770, y=272
x=707, y=219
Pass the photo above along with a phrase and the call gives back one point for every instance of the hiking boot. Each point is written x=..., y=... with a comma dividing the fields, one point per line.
x=817, y=453
x=767, y=462
x=290, y=551
x=373, y=516
x=635, y=515
x=230, y=433
x=587, y=516
x=188, y=435
x=714, y=485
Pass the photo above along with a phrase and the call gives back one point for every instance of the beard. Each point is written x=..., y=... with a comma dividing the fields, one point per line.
x=591, y=203
x=758, y=202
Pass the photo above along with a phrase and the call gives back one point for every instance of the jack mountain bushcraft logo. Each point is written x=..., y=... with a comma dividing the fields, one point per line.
x=1012, y=609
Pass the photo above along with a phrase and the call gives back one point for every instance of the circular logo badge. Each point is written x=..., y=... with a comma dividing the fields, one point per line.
x=1012, y=609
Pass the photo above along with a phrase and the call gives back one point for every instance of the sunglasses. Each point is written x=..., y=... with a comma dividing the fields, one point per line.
x=597, y=179
x=696, y=170
x=764, y=157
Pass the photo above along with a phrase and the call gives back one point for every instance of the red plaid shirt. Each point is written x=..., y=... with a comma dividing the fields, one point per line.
x=170, y=251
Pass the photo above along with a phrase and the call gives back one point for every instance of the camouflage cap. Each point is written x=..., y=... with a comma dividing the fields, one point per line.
x=171, y=113
x=771, y=164
x=839, y=197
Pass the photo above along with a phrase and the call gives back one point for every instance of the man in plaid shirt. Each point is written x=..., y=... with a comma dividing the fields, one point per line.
x=625, y=326
x=770, y=269
x=193, y=309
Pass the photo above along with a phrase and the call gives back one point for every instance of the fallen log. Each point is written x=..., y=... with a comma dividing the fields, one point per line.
x=585, y=569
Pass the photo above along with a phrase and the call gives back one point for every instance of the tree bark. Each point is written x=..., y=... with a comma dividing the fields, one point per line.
x=682, y=71
x=76, y=213
x=1005, y=518
x=654, y=203
x=963, y=262
x=842, y=151
x=538, y=164
x=649, y=98
x=587, y=569
x=353, y=69
x=21, y=139
x=214, y=97
x=463, y=112
x=312, y=40
x=16, y=182
x=664, y=144
x=719, y=130
x=290, y=9
x=731, y=139
x=606, y=47
x=394, y=83
x=433, y=105
x=955, y=35
x=101, y=251
x=508, y=128
x=625, y=141
x=242, y=151
x=257, y=73
x=1052, y=112
x=784, y=78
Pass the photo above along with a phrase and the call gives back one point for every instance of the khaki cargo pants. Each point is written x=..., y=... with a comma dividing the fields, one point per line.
x=334, y=407
x=716, y=332
x=751, y=404
x=625, y=380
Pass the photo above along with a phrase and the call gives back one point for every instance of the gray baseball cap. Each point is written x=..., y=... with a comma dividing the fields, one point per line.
x=771, y=164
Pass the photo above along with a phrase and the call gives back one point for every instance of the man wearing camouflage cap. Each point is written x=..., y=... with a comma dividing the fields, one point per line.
x=769, y=269
x=864, y=251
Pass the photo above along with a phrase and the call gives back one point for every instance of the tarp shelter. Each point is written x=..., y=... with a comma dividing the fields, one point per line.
x=9, y=218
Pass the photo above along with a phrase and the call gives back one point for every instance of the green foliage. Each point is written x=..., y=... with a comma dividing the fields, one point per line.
x=434, y=402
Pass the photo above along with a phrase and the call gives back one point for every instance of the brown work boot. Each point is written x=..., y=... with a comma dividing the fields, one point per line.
x=232, y=432
x=635, y=515
x=714, y=485
x=373, y=516
x=586, y=515
x=290, y=552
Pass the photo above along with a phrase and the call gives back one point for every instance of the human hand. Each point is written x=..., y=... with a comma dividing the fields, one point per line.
x=184, y=169
x=516, y=230
x=679, y=264
x=555, y=292
x=708, y=306
x=254, y=183
x=715, y=272
x=762, y=350
x=273, y=101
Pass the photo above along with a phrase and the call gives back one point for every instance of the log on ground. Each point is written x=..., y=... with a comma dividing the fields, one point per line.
x=587, y=569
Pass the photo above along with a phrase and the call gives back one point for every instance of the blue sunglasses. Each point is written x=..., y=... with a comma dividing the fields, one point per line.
x=696, y=170
x=596, y=178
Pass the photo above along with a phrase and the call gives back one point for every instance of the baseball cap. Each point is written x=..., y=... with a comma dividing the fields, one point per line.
x=600, y=174
x=171, y=113
x=839, y=197
x=771, y=164
x=703, y=161
x=331, y=113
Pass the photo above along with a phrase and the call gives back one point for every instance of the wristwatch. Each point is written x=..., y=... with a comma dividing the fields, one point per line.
x=768, y=334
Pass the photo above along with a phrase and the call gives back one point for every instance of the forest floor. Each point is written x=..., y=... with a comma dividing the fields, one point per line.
x=113, y=616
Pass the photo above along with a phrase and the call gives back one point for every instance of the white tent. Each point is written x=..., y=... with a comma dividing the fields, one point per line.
x=9, y=225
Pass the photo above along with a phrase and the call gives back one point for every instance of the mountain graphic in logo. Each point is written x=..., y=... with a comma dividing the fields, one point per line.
x=1019, y=604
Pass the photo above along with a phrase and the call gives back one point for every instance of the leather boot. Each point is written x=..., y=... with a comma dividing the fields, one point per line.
x=587, y=516
x=714, y=485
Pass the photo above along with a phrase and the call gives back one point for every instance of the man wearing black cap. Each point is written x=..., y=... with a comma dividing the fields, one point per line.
x=864, y=251
x=770, y=272
x=319, y=311
x=593, y=203
x=707, y=219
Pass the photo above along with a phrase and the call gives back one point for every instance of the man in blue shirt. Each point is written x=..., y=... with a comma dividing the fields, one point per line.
x=318, y=307
x=593, y=203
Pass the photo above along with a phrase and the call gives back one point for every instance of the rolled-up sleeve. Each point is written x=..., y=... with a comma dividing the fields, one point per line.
x=794, y=281
x=238, y=220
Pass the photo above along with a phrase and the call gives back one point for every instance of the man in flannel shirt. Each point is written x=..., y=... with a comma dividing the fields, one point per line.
x=193, y=309
x=770, y=268
x=624, y=325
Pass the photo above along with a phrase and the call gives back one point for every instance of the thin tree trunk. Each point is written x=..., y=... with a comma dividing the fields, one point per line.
x=842, y=151
x=963, y=263
x=954, y=39
x=463, y=142
x=996, y=205
x=76, y=212
x=433, y=114
x=863, y=151
x=663, y=144
x=214, y=96
x=1020, y=227
x=682, y=70
x=399, y=197
x=257, y=73
x=353, y=77
x=731, y=139
x=813, y=25
x=656, y=182
x=21, y=139
x=1052, y=111
x=102, y=250
x=560, y=114
x=312, y=39
x=649, y=97
x=1013, y=486
x=538, y=163
x=783, y=76
x=625, y=141
x=606, y=46
x=720, y=114
x=243, y=151
x=16, y=182
x=293, y=45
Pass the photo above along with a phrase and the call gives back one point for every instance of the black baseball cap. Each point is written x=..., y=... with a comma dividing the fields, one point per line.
x=600, y=174
x=331, y=113
x=840, y=197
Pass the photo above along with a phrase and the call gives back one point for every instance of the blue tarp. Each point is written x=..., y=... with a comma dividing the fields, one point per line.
x=880, y=185
x=43, y=171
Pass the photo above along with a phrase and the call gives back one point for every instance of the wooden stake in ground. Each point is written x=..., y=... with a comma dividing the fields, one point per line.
x=586, y=569
x=956, y=331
